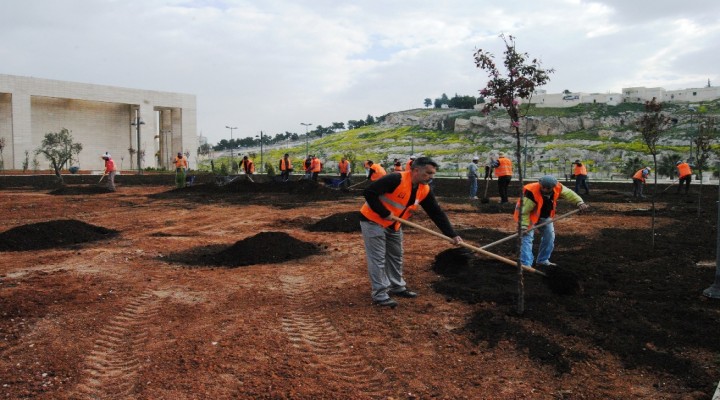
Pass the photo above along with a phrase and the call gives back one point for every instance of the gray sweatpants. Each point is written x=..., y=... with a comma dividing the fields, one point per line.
x=384, y=254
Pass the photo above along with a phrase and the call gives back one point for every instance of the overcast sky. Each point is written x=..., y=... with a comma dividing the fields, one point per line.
x=271, y=64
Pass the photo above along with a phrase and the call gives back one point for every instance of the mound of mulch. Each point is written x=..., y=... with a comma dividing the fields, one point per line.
x=342, y=222
x=51, y=234
x=80, y=189
x=263, y=248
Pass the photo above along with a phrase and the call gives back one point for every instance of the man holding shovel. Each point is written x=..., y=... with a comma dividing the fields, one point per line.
x=396, y=195
x=110, y=171
x=539, y=204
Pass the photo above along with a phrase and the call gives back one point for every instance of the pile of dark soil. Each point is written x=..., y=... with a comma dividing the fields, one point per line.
x=51, y=234
x=263, y=248
x=80, y=189
x=343, y=222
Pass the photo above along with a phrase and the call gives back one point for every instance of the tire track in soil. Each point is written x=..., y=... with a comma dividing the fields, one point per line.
x=322, y=345
x=112, y=369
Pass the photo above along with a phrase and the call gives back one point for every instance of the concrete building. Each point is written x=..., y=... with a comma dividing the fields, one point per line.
x=101, y=118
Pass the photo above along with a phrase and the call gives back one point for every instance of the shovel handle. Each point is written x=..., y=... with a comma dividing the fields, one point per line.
x=558, y=218
x=101, y=178
x=465, y=245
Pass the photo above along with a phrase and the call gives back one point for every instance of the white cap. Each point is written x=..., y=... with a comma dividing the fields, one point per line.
x=412, y=157
x=476, y=158
x=106, y=155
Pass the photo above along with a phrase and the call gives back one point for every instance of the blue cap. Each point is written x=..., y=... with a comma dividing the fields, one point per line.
x=548, y=181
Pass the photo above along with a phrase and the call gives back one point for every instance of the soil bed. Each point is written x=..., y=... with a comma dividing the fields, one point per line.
x=342, y=222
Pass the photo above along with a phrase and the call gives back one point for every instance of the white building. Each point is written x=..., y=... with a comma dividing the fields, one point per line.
x=99, y=117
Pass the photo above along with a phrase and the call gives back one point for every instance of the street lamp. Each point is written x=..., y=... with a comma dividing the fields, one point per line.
x=136, y=123
x=307, y=151
x=527, y=122
x=261, y=150
x=231, y=143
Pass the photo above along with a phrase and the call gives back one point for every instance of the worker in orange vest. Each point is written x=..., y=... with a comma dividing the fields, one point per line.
x=503, y=171
x=397, y=194
x=344, y=169
x=181, y=167
x=110, y=171
x=580, y=172
x=639, y=181
x=375, y=171
x=539, y=204
x=249, y=167
x=315, y=167
x=286, y=167
x=397, y=166
x=685, y=174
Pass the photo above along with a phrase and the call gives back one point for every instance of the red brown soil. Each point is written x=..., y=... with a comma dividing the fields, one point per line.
x=128, y=318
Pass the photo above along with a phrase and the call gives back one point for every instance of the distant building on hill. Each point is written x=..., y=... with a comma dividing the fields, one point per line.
x=99, y=117
x=629, y=95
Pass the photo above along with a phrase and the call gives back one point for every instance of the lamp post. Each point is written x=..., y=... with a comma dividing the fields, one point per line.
x=261, y=150
x=232, y=156
x=136, y=123
x=307, y=148
x=525, y=149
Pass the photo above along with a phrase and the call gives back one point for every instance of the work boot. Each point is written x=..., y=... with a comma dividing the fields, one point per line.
x=405, y=293
x=386, y=303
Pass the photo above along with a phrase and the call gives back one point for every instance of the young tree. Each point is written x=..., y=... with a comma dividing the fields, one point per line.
x=651, y=125
x=428, y=102
x=522, y=77
x=26, y=161
x=703, y=142
x=59, y=148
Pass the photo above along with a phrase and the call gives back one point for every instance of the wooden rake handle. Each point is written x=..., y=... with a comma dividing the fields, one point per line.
x=467, y=246
x=558, y=218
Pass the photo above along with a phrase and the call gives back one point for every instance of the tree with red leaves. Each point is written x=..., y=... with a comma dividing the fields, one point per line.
x=520, y=81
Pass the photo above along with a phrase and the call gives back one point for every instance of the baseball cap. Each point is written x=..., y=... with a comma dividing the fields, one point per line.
x=476, y=158
x=548, y=181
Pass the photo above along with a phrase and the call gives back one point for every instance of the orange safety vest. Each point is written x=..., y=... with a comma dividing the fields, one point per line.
x=684, y=169
x=249, y=167
x=638, y=175
x=580, y=170
x=396, y=202
x=344, y=166
x=285, y=164
x=505, y=167
x=315, y=165
x=378, y=172
x=180, y=162
x=408, y=165
x=534, y=188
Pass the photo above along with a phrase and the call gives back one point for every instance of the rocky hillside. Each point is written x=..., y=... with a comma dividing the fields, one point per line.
x=603, y=136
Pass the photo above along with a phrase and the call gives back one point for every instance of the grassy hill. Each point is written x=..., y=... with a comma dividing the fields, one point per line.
x=605, y=139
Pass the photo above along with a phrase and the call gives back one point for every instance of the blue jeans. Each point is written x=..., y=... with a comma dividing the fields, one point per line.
x=547, y=244
x=473, y=186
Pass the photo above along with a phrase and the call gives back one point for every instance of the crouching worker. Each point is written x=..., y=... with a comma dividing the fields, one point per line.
x=397, y=194
x=539, y=204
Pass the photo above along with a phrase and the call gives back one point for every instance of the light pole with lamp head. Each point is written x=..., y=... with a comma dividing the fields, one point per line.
x=525, y=149
x=136, y=123
x=261, y=151
x=307, y=148
x=232, y=156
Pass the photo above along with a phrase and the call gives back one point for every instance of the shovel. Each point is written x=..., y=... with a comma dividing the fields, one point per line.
x=101, y=178
x=558, y=281
x=558, y=218
x=485, y=198
x=359, y=183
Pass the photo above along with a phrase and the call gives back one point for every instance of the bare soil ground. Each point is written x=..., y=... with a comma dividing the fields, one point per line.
x=261, y=291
